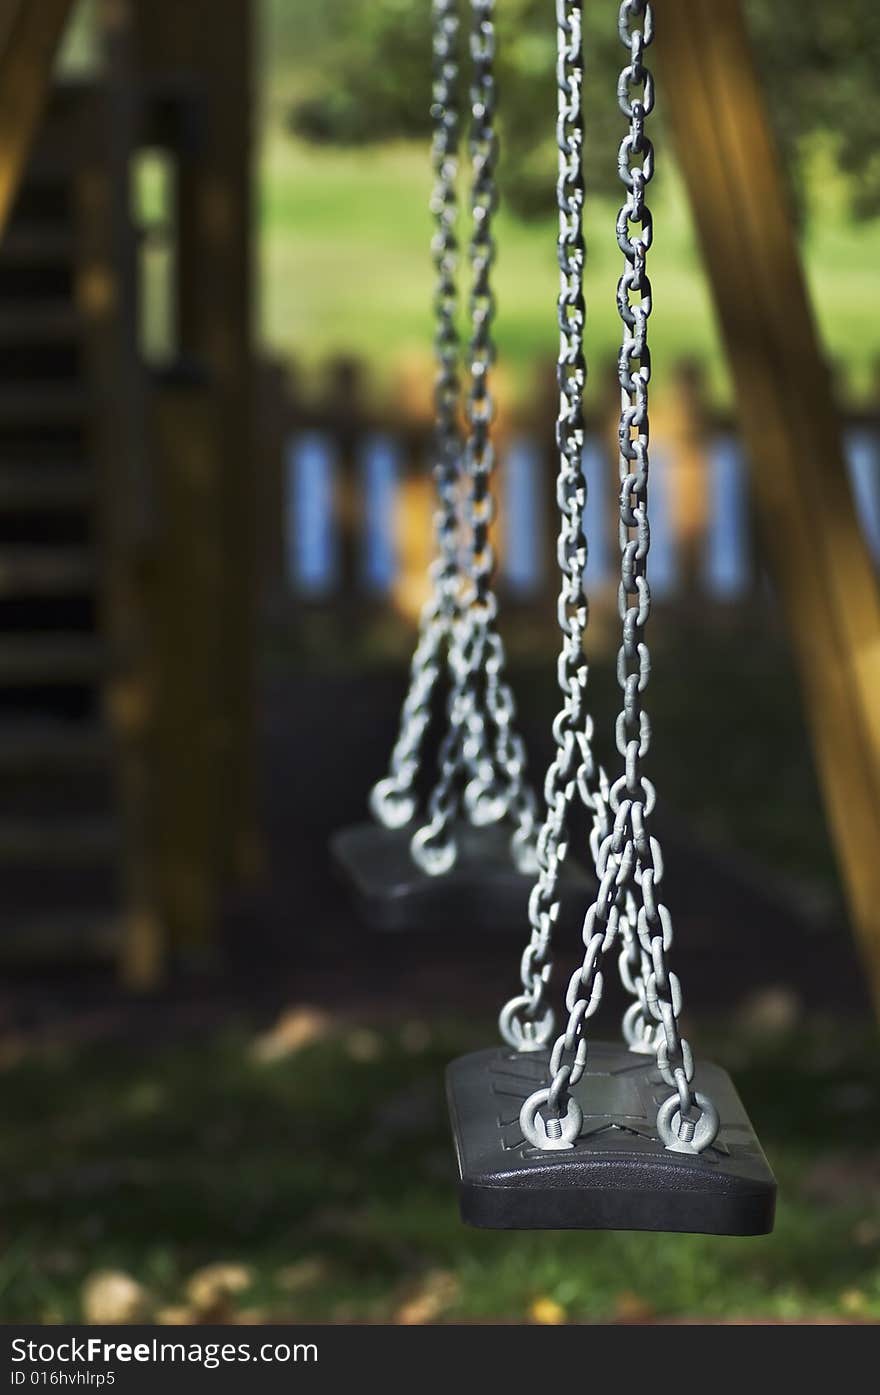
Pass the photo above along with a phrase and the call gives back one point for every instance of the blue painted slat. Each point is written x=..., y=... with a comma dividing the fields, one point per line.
x=597, y=468
x=727, y=564
x=523, y=518
x=663, y=568
x=862, y=447
x=379, y=468
x=311, y=551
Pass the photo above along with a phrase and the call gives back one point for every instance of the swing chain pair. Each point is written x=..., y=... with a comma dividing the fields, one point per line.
x=629, y=860
x=526, y=1021
x=393, y=799
x=497, y=787
x=481, y=748
x=466, y=750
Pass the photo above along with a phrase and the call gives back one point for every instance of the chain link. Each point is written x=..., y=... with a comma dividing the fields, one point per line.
x=393, y=799
x=629, y=860
x=526, y=1021
x=481, y=748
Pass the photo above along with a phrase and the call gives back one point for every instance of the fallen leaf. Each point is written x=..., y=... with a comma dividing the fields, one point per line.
x=363, y=1045
x=867, y=1231
x=547, y=1312
x=295, y=1029
x=304, y=1274
x=630, y=1307
x=110, y=1296
x=12, y=1052
x=853, y=1301
x=175, y=1317
x=415, y=1037
x=838, y=1175
x=251, y=1317
x=437, y=1292
x=770, y=1012
x=209, y=1289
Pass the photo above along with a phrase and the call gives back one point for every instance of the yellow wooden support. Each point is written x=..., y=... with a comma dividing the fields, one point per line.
x=106, y=296
x=811, y=535
x=212, y=42
x=29, y=37
x=189, y=737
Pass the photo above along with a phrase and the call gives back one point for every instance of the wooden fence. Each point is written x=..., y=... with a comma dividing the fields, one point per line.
x=350, y=497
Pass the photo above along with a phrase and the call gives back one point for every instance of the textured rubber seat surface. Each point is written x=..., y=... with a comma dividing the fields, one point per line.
x=618, y=1176
x=483, y=891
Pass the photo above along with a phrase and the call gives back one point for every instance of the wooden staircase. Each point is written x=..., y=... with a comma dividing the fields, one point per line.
x=58, y=832
x=126, y=543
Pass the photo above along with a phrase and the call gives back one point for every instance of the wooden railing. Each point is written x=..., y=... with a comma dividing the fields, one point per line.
x=347, y=516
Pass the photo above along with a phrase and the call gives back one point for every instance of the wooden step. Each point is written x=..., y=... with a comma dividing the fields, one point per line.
x=39, y=322
x=45, y=404
x=51, y=658
x=55, y=159
x=73, y=841
x=52, y=745
x=45, y=571
x=28, y=243
x=81, y=934
x=37, y=487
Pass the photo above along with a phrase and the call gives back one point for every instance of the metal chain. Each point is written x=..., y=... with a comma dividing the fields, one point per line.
x=630, y=862
x=492, y=766
x=526, y=1021
x=393, y=800
x=508, y=790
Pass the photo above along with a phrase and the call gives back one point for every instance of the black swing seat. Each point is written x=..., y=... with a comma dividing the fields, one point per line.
x=618, y=1176
x=483, y=891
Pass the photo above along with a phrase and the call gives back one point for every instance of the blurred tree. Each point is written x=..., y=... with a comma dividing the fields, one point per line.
x=819, y=59
x=372, y=81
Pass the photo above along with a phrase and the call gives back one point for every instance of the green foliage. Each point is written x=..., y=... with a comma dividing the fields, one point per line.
x=369, y=80
x=345, y=268
x=376, y=80
x=374, y=83
x=819, y=63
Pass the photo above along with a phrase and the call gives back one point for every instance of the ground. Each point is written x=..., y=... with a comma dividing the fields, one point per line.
x=271, y=1142
x=306, y=1173
x=284, y=1120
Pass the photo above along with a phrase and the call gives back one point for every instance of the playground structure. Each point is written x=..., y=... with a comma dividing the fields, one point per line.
x=348, y=502
x=126, y=482
x=141, y=470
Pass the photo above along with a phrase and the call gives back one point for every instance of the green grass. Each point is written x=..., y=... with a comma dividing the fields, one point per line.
x=343, y=262
x=328, y=1174
x=345, y=268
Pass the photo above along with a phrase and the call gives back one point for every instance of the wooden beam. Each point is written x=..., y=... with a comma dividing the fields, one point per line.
x=29, y=37
x=214, y=221
x=811, y=534
x=107, y=298
x=189, y=738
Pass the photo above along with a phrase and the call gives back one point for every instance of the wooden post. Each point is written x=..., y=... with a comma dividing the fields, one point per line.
x=189, y=736
x=206, y=49
x=344, y=408
x=107, y=297
x=811, y=534
x=274, y=410
x=29, y=38
x=687, y=472
x=546, y=397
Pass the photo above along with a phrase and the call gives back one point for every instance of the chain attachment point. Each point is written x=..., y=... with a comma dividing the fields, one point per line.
x=520, y=1029
x=553, y=1134
x=391, y=806
x=683, y=1135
